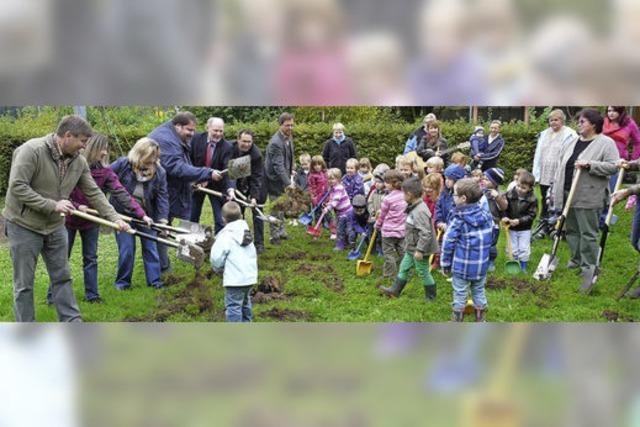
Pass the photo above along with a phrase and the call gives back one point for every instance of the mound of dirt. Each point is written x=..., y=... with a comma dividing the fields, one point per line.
x=286, y=314
x=293, y=203
x=497, y=283
x=270, y=285
x=614, y=316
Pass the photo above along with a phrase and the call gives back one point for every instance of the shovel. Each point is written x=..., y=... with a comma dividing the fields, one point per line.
x=272, y=219
x=357, y=252
x=590, y=275
x=364, y=266
x=549, y=262
x=307, y=218
x=187, y=252
x=239, y=167
x=316, y=230
x=511, y=267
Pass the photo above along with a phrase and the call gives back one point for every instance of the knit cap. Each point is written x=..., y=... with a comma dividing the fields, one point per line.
x=379, y=171
x=495, y=175
x=454, y=172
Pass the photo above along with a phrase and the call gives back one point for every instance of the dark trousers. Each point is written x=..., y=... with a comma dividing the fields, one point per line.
x=544, y=189
x=197, y=200
x=258, y=227
x=89, y=261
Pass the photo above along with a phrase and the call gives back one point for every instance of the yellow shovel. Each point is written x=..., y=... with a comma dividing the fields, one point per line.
x=364, y=266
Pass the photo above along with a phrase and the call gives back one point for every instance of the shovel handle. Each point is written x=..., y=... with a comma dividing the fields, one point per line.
x=616, y=188
x=371, y=243
x=509, y=247
x=208, y=191
x=572, y=190
x=98, y=220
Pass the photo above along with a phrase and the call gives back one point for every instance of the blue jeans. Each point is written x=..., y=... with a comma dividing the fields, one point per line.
x=461, y=289
x=126, y=257
x=197, y=200
x=89, y=260
x=237, y=303
x=344, y=229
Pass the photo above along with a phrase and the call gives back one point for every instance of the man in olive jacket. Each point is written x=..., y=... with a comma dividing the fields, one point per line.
x=44, y=171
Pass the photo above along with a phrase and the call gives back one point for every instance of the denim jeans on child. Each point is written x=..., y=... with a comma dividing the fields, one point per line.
x=126, y=257
x=344, y=229
x=461, y=289
x=237, y=303
x=520, y=244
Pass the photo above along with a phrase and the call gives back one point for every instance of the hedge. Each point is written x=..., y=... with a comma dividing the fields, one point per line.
x=378, y=141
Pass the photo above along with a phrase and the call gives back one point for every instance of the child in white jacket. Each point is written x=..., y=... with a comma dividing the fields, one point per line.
x=234, y=253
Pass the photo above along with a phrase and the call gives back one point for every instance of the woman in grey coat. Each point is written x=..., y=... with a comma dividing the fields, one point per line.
x=596, y=155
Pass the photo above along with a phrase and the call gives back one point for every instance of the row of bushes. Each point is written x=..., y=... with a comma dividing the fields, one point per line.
x=379, y=141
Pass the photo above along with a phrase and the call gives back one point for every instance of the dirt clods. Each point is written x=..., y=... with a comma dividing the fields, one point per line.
x=286, y=314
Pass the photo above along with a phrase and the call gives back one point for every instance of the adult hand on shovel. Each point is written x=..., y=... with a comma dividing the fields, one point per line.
x=122, y=226
x=619, y=195
x=64, y=207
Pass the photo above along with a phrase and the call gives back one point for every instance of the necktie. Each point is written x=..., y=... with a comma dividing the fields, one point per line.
x=209, y=157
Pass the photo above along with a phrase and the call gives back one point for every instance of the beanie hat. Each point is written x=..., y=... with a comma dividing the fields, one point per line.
x=495, y=175
x=359, y=201
x=477, y=128
x=454, y=172
x=379, y=171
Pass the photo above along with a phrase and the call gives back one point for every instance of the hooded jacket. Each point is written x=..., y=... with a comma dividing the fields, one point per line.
x=419, y=233
x=466, y=243
x=234, y=253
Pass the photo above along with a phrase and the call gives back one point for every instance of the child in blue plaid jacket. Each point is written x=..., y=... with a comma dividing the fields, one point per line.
x=465, y=248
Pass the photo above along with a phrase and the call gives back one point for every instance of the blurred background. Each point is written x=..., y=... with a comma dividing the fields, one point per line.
x=321, y=52
x=320, y=375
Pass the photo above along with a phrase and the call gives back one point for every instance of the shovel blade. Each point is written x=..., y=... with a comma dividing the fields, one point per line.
x=512, y=267
x=469, y=308
x=354, y=255
x=363, y=268
x=192, y=254
x=313, y=231
x=305, y=219
x=546, y=266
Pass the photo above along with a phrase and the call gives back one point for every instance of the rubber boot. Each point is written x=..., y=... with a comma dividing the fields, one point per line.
x=395, y=290
x=430, y=293
x=480, y=314
x=457, y=316
x=523, y=266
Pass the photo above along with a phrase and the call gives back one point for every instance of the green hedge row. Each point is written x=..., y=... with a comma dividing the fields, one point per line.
x=378, y=141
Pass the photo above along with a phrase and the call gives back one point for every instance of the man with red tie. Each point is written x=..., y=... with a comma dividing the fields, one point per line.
x=210, y=149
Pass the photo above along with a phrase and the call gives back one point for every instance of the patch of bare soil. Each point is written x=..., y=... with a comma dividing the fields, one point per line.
x=520, y=286
x=286, y=314
x=194, y=299
x=270, y=289
x=325, y=274
x=614, y=316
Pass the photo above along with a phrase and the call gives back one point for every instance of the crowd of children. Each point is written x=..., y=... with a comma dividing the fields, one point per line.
x=428, y=217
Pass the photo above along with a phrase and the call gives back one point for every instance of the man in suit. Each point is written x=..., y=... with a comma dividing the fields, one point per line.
x=211, y=150
x=279, y=168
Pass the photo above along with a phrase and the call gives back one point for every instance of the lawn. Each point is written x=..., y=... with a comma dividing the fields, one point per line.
x=320, y=285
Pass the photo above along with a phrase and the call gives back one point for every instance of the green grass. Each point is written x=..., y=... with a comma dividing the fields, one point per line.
x=359, y=300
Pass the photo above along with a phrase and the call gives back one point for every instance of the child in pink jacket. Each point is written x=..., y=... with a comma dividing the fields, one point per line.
x=338, y=201
x=391, y=222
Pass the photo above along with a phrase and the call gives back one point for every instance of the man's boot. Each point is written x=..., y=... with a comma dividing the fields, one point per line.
x=430, y=293
x=480, y=314
x=395, y=290
x=457, y=316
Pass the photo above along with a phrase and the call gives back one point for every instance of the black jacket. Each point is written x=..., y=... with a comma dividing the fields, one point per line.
x=523, y=209
x=221, y=157
x=254, y=185
x=336, y=156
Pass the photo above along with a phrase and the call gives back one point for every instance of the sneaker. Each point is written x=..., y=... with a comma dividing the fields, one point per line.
x=333, y=236
x=157, y=285
x=123, y=288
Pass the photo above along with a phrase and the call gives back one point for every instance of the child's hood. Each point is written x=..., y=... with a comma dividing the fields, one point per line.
x=239, y=232
x=474, y=215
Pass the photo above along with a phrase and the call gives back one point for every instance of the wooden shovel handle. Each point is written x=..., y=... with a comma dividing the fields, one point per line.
x=509, y=247
x=574, y=185
x=208, y=191
x=98, y=220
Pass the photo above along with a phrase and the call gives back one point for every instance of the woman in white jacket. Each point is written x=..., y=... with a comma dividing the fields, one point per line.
x=234, y=253
x=545, y=161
